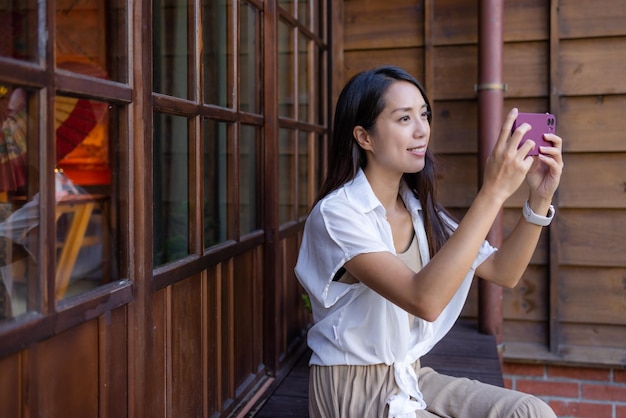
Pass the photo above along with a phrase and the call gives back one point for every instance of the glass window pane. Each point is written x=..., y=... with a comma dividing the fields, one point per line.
x=316, y=100
x=217, y=54
x=217, y=163
x=250, y=77
x=85, y=43
x=19, y=29
x=303, y=79
x=86, y=243
x=286, y=100
x=171, y=192
x=288, y=5
x=286, y=176
x=305, y=173
x=303, y=12
x=170, y=47
x=248, y=176
x=19, y=202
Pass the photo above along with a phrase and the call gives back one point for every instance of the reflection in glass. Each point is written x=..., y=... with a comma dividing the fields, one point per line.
x=83, y=195
x=248, y=179
x=170, y=47
x=286, y=176
x=171, y=194
x=85, y=247
x=19, y=202
x=249, y=100
x=215, y=58
x=217, y=161
x=303, y=79
x=286, y=99
x=19, y=29
x=84, y=42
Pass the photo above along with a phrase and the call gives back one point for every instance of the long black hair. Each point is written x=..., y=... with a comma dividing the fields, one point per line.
x=360, y=103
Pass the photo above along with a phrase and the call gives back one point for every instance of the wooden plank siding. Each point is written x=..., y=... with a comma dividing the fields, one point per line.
x=560, y=56
x=207, y=332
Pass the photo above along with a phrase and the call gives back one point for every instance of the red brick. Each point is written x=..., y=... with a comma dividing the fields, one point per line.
x=604, y=392
x=548, y=388
x=619, y=376
x=579, y=373
x=523, y=369
x=620, y=412
x=508, y=383
x=581, y=409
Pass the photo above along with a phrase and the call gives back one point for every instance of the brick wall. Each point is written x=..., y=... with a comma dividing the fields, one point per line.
x=572, y=391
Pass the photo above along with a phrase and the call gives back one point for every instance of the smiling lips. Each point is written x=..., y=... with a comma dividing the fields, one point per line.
x=419, y=150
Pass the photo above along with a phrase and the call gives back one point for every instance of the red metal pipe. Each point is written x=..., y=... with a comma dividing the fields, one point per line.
x=490, y=91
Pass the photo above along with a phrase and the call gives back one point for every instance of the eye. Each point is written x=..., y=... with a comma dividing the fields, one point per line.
x=425, y=114
x=405, y=118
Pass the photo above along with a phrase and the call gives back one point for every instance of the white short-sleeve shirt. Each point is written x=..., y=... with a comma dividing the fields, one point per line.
x=353, y=325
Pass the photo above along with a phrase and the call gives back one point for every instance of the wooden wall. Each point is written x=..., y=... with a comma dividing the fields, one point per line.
x=193, y=338
x=560, y=56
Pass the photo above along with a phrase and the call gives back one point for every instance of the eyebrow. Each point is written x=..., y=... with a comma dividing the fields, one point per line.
x=407, y=109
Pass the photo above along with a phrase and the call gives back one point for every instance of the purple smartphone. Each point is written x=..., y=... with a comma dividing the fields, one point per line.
x=541, y=123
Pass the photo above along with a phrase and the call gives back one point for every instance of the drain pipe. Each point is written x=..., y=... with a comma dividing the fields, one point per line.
x=490, y=92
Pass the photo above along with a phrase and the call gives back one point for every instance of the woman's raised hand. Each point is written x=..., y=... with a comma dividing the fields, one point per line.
x=545, y=174
x=508, y=166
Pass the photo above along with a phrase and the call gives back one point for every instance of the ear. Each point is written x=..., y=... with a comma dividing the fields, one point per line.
x=362, y=137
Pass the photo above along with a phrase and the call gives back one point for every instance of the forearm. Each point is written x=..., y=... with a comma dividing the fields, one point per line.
x=506, y=266
x=456, y=257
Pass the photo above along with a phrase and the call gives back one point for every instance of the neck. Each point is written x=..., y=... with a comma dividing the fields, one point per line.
x=387, y=190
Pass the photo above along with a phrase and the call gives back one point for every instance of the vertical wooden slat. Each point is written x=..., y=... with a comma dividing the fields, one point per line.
x=205, y=349
x=236, y=128
x=104, y=364
x=144, y=398
x=230, y=321
x=47, y=163
x=196, y=180
x=219, y=336
x=429, y=22
x=167, y=349
x=554, y=328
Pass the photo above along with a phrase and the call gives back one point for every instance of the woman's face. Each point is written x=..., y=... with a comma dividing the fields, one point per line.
x=398, y=140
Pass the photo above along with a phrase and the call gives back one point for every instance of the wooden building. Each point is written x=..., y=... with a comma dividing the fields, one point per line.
x=158, y=159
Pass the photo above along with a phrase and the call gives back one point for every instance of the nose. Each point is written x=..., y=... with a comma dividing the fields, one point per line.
x=422, y=128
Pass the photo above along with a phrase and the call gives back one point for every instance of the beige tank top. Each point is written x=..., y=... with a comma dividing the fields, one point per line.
x=410, y=257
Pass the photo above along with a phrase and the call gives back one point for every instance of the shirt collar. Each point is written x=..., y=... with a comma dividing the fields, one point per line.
x=359, y=191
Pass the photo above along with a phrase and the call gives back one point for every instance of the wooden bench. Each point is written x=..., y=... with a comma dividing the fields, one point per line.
x=464, y=352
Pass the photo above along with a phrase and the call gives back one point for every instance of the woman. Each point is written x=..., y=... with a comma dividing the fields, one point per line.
x=388, y=271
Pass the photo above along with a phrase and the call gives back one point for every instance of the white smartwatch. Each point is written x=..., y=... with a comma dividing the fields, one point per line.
x=533, y=218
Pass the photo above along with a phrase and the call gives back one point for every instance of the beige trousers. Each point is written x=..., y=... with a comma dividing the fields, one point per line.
x=362, y=392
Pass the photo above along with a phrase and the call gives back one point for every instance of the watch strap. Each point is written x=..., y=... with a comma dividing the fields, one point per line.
x=533, y=218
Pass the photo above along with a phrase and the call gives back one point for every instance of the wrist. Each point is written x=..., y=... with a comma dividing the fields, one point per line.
x=539, y=205
x=543, y=218
x=492, y=196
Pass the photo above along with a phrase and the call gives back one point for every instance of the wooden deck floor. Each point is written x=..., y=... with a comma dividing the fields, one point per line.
x=463, y=353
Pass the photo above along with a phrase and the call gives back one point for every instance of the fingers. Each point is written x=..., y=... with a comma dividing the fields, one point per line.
x=555, y=151
x=513, y=139
x=545, y=175
x=557, y=143
x=505, y=131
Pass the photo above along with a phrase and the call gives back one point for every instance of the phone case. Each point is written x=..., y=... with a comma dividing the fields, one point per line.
x=540, y=123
